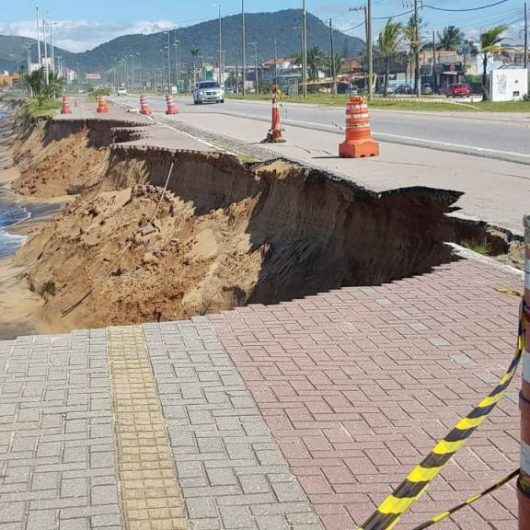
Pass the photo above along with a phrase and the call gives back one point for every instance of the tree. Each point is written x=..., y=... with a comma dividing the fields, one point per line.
x=36, y=81
x=388, y=43
x=450, y=39
x=339, y=63
x=489, y=42
x=413, y=37
x=316, y=61
x=468, y=48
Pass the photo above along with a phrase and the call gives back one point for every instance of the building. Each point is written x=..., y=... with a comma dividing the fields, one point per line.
x=8, y=80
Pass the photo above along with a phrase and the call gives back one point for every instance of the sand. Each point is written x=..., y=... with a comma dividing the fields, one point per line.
x=20, y=308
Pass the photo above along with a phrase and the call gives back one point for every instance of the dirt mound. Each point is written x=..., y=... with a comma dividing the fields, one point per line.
x=138, y=255
x=63, y=167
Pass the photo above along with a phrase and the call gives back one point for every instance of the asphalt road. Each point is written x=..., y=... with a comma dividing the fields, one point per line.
x=482, y=135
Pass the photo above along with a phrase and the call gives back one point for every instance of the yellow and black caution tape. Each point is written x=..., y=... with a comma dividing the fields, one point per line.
x=412, y=488
x=445, y=515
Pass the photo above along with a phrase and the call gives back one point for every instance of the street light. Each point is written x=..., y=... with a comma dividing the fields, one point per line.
x=220, y=60
x=176, y=44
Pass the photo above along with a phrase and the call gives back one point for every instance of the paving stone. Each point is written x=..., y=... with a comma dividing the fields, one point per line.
x=43, y=519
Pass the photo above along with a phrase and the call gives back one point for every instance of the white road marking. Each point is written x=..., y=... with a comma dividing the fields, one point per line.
x=421, y=142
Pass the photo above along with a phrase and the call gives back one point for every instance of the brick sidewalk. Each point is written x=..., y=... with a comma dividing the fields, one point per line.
x=357, y=384
x=302, y=415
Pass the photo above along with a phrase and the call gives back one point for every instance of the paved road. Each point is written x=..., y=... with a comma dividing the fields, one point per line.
x=487, y=136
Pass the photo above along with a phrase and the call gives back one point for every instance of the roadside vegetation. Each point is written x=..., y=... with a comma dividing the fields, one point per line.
x=44, y=92
x=391, y=103
x=42, y=109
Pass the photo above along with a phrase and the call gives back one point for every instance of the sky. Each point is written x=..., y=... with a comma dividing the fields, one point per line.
x=81, y=25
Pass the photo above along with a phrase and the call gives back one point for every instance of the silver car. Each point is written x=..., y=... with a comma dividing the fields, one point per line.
x=208, y=92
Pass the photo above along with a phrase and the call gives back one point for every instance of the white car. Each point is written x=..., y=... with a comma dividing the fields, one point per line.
x=122, y=91
x=208, y=92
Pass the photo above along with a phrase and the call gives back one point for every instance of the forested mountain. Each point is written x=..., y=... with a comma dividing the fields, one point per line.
x=150, y=51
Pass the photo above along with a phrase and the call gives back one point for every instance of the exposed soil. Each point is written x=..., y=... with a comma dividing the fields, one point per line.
x=222, y=234
x=137, y=256
x=65, y=167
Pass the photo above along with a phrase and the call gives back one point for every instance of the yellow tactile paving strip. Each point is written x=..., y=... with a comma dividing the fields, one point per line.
x=150, y=494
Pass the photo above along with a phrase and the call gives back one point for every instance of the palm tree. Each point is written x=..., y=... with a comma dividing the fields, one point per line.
x=389, y=41
x=334, y=66
x=36, y=81
x=195, y=52
x=413, y=37
x=450, y=39
x=316, y=60
x=489, y=42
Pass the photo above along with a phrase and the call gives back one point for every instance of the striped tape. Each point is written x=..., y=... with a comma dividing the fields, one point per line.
x=412, y=488
x=445, y=515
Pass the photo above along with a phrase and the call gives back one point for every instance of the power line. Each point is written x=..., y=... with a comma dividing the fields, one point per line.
x=478, y=8
x=398, y=15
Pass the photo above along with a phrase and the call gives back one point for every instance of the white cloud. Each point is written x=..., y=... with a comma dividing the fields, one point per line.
x=80, y=35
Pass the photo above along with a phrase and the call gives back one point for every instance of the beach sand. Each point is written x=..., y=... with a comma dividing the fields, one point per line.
x=20, y=308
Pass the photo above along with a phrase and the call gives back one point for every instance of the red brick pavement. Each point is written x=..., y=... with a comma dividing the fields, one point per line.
x=358, y=383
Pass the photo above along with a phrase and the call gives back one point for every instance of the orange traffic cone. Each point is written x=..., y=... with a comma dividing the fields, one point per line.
x=66, y=106
x=144, y=107
x=275, y=134
x=359, y=142
x=171, y=106
x=102, y=105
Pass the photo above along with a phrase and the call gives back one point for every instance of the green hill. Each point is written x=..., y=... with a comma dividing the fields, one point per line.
x=14, y=49
x=147, y=51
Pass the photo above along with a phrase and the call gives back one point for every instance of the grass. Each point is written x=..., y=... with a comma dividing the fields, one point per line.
x=479, y=248
x=391, y=104
x=44, y=109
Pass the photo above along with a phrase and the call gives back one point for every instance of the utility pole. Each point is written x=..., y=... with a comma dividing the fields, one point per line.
x=525, y=35
x=417, y=75
x=369, y=43
x=364, y=10
x=168, y=62
x=255, y=45
x=220, y=47
x=275, y=61
x=177, y=65
x=52, y=47
x=243, y=47
x=39, y=51
x=304, y=50
x=434, y=80
x=332, y=58
x=46, y=65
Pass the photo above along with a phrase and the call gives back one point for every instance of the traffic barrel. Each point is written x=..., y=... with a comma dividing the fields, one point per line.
x=102, y=105
x=275, y=133
x=359, y=142
x=144, y=107
x=66, y=106
x=523, y=484
x=171, y=106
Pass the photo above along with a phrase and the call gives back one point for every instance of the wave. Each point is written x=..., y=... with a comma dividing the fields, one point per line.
x=11, y=214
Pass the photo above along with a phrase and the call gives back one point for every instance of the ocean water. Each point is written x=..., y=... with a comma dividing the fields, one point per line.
x=10, y=214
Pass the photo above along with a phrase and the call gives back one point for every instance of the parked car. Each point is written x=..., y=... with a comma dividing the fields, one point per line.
x=426, y=89
x=458, y=91
x=122, y=91
x=208, y=92
x=404, y=89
